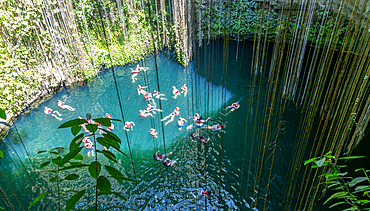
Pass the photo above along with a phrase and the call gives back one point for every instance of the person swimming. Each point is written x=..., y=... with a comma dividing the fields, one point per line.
x=144, y=113
x=193, y=136
x=206, y=193
x=111, y=127
x=152, y=109
x=64, y=106
x=128, y=125
x=158, y=95
x=50, y=112
x=140, y=89
x=200, y=121
x=176, y=112
x=203, y=140
x=148, y=97
x=196, y=117
x=233, y=107
x=88, y=145
x=217, y=127
x=175, y=92
x=153, y=132
x=160, y=157
x=136, y=71
x=169, y=163
x=180, y=122
x=184, y=89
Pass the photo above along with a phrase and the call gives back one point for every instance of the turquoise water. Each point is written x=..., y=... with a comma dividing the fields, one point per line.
x=197, y=166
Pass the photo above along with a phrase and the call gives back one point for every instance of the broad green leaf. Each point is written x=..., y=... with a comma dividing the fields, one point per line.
x=342, y=174
x=91, y=127
x=55, y=153
x=2, y=114
x=78, y=157
x=115, y=145
x=103, y=142
x=336, y=204
x=112, y=136
x=39, y=152
x=73, y=123
x=94, y=169
x=74, y=199
x=310, y=160
x=75, y=163
x=70, y=155
x=110, y=192
x=72, y=177
x=73, y=167
x=76, y=142
x=57, y=160
x=1, y=154
x=53, y=179
x=351, y=157
x=336, y=196
x=118, y=120
x=75, y=129
x=103, y=184
x=103, y=121
x=328, y=153
x=114, y=173
x=44, y=164
x=38, y=199
x=357, y=180
x=362, y=188
x=109, y=155
x=332, y=168
x=320, y=162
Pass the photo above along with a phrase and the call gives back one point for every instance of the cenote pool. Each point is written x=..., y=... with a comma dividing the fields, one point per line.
x=222, y=165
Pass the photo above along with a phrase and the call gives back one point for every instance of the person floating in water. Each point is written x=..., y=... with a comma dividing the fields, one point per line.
x=88, y=145
x=196, y=117
x=176, y=112
x=136, y=71
x=217, y=127
x=148, y=97
x=203, y=140
x=140, y=89
x=144, y=113
x=111, y=124
x=193, y=136
x=184, y=89
x=152, y=109
x=160, y=157
x=154, y=133
x=205, y=193
x=200, y=121
x=180, y=122
x=175, y=92
x=158, y=95
x=233, y=107
x=129, y=125
x=169, y=163
x=62, y=105
x=50, y=112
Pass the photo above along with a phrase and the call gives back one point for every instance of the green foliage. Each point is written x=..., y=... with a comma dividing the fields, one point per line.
x=38, y=199
x=351, y=193
x=64, y=170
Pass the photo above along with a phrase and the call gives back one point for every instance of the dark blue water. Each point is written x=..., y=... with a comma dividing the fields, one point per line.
x=222, y=165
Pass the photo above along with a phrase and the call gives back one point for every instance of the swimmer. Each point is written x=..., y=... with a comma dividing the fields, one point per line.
x=88, y=145
x=158, y=95
x=136, y=71
x=175, y=92
x=200, y=121
x=151, y=109
x=140, y=89
x=184, y=89
x=214, y=127
x=83, y=125
x=206, y=193
x=160, y=157
x=62, y=105
x=176, y=112
x=129, y=125
x=154, y=133
x=180, y=122
x=50, y=112
x=233, y=107
x=144, y=113
x=111, y=127
x=203, y=140
x=148, y=97
x=193, y=136
x=168, y=163
x=196, y=117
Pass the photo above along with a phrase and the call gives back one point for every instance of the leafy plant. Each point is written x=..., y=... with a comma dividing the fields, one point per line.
x=348, y=191
x=63, y=163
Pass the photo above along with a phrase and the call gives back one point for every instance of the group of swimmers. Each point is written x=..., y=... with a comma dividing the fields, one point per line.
x=56, y=114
